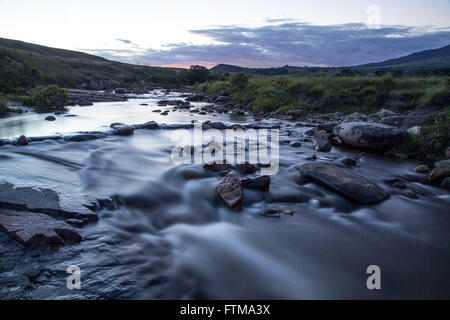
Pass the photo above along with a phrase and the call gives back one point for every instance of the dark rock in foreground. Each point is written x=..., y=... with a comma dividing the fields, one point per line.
x=369, y=135
x=42, y=200
x=344, y=182
x=31, y=227
x=230, y=190
x=50, y=118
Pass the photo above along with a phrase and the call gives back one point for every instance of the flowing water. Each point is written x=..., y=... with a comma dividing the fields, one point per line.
x=173, y=238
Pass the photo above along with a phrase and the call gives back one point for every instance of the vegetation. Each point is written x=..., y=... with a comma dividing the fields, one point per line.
x=428, y=146
x=334, y=93
x=197, y=74
x=24, y=65
x=46, y=99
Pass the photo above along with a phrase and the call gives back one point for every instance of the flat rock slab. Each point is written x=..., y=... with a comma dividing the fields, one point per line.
x=230, y=190
x=32, y=227
x=42, y=200
x=342, y=181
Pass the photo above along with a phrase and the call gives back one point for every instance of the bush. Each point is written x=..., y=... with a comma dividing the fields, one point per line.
x=197, y=74
x=239, y=81
x=47, y=98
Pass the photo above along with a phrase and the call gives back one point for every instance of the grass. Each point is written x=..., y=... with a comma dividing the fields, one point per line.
x=428, y=146
x=336, y=93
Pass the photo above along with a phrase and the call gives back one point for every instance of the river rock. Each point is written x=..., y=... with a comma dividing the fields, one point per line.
x=328, y=127
x=442, y=163
x=22, y=141
x=261, y=183
x=423, y=168
x=370, y=135
x=322, y=141
x=42, y=200
x=122, y=129
x=31, y=227
x=85, y=136
x=150, y=125
x=344, y=182
x=196, y=98
x=355, y=116
x=446, y=183
x=230, y=190
x=50, y=118
x=217, y=167
x=439, y=173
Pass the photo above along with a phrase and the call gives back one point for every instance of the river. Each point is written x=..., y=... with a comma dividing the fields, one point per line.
x=172, y=238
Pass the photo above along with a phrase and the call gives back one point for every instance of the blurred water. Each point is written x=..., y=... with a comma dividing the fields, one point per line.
x=173, y=238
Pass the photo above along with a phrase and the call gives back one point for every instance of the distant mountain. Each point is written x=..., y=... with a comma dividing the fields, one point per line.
x=74, y=69
x=428, y=59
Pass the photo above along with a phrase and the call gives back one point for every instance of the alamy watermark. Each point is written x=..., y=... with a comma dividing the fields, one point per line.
x=373, y=17
x=259, y=147
x=374, y=280
x=74, y=280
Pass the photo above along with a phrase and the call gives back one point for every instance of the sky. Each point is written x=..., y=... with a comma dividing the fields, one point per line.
x=241, y=32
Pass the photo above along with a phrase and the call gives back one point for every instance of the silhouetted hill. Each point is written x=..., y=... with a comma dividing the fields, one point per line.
x=19, y=60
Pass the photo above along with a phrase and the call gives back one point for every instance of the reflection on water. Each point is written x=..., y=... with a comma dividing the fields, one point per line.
x=171, y=237
x=101, y=115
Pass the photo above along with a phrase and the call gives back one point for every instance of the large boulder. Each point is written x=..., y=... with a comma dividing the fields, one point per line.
x=355, y=116
x=369, y=135
x=31, y=227
x=344, y=182
x=230, y=190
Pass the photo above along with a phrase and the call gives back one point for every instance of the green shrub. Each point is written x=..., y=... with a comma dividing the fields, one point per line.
x=47, y=98
x=239, y=81
x=317, y=91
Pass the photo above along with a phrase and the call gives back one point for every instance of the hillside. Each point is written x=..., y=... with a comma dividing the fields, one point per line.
x=427, y=59
x=424, y=60
x=24, y=64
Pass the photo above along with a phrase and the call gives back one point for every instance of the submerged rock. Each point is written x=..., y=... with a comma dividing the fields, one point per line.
x=369, y=135
x=322, y=141
x=261, y=183
x=342, y=181
x=31, y=227
x=50, y=118
x=446, y=183
x=230, y=190
x=85, y=136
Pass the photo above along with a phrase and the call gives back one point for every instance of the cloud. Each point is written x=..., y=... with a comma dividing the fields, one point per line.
x=126, y=41
x=293, y=43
